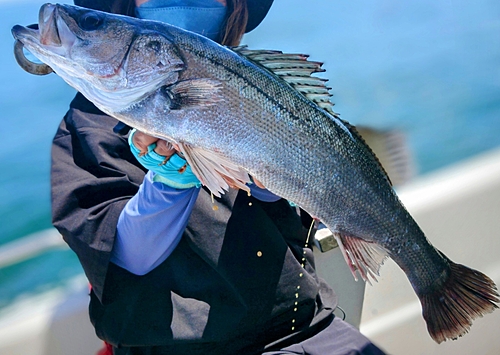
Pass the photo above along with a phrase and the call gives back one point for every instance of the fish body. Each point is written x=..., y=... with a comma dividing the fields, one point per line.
x=234, y=115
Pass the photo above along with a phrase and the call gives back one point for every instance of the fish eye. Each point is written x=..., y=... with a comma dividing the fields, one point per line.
x=90, y=21
x=154, y=45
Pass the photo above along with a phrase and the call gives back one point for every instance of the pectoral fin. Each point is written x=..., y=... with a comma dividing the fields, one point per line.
x=213, y=170
x=193, y=93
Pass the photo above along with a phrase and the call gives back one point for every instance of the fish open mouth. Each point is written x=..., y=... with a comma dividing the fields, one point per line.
x=21, y=33
x=48, y=36
x=47, y=23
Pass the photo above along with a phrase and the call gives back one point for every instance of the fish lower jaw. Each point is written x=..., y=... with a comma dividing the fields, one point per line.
x=116, y=97
x=113, y=103
x=48, y=54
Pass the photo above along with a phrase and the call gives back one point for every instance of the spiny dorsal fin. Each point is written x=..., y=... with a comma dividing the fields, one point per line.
x=296, y=70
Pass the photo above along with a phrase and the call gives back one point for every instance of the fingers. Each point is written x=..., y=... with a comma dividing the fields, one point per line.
x=230, y=182
x=258, y=183
x=164, y=148
x=142, y=141
x=233, y=185
x=167, y=149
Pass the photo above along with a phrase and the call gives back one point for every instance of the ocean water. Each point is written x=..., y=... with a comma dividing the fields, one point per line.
x=430, y=69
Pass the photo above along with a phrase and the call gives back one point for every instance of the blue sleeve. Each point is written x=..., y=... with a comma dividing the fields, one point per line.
x=153, y=221
x=263, y=194
x=151, y=225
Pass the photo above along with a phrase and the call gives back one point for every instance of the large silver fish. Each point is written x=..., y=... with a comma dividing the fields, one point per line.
x=240, y=113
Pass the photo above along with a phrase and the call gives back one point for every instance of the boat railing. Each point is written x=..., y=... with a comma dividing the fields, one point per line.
x=30, y=246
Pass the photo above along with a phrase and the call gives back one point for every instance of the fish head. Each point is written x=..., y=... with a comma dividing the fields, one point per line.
x=104, y=56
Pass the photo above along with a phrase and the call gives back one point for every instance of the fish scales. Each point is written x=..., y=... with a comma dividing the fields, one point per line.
x=233, y=116
x=321, y=137
x=276, y=116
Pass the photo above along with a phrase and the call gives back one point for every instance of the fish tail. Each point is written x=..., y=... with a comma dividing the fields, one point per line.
x=450, y=308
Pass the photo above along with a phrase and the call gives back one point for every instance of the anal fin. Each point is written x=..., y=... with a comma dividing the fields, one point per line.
x=361, y=256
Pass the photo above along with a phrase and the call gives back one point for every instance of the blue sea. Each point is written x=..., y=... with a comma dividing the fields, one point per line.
x=428, y=68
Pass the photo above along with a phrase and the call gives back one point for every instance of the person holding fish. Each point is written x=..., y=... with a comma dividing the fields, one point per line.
x=173, y=269
x=185, y=250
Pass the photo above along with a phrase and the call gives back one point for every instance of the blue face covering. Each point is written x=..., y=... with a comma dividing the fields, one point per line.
x=204, y=17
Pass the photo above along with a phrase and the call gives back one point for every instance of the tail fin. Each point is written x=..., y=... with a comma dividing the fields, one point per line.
x=466, y=295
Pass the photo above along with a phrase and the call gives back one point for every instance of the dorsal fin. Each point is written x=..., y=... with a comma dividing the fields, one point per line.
x=296, y=70
x=354, y=131
x=392, y=150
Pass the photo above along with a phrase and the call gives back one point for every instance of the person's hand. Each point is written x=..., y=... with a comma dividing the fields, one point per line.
x=159, y=156
x=142, y=141
x=258, y=183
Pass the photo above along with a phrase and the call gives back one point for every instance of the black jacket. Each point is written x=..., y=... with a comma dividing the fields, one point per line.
x=234, y=283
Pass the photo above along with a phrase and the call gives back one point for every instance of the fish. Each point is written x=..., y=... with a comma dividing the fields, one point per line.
x=238, y=114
